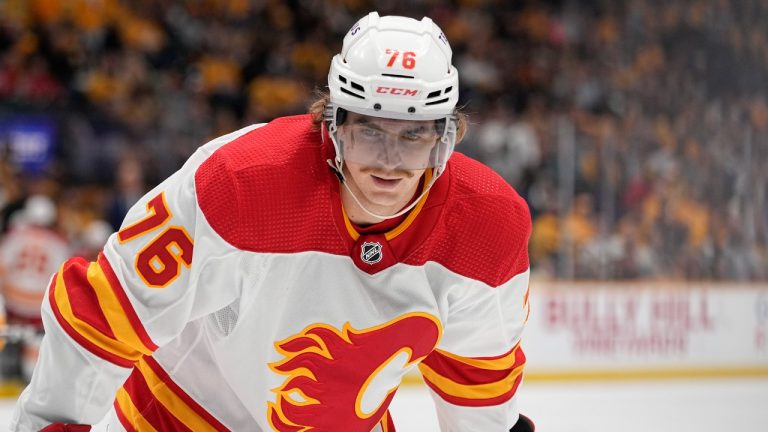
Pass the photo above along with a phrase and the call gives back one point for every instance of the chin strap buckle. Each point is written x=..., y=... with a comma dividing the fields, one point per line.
x=335, y=170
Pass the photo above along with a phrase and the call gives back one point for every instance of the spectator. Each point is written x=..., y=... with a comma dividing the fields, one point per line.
x=649, y=88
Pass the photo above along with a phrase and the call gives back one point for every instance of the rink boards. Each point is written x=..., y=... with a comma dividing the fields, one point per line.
x=598, y=330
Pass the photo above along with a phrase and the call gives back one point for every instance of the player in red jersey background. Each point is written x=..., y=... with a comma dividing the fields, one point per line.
x=290, y=274
x=29, y=254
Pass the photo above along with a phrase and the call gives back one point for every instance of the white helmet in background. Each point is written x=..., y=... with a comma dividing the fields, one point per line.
x=397, y=68
x=96, y=233
x=39, y=210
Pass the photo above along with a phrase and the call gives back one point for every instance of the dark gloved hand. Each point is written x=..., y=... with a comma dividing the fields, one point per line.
x=524, y=424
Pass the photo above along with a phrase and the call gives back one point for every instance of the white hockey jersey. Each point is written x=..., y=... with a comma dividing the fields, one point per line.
x=29, y=254
x=238, y=296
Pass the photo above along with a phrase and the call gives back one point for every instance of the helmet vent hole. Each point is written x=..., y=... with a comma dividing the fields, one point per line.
x=357, y=86
x=411, y=110
x=448, y=89
x=343, y=90
x=377, y=107
x=397, y=76
x=437, y=102
x=435, y=93
x=342, y=79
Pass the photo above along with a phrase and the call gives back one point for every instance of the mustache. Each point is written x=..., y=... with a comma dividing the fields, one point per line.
x=398, y=172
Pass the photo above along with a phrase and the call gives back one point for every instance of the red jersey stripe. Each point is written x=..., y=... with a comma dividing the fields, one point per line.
x=473, y=371
x=65, y=309
x=77, y=337
x=151, y=409
x=182, y=395
x=82, y=297
x=122, y=418
x=128, y=309
x=462, y=373
x=472, y=391
x=470, y=402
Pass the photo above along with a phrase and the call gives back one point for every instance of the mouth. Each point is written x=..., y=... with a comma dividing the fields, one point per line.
x=385, y=183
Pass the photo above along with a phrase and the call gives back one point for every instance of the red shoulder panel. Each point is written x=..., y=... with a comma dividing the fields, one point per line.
x=270, y=190
x=484, y=228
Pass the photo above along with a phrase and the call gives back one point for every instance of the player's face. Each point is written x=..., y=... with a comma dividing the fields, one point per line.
x=388, y=143
x=383, y=182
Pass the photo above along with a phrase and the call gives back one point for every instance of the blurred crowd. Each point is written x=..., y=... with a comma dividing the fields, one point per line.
x=637, y=130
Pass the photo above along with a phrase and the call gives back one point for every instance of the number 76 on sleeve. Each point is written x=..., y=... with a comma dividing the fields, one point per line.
x=159, y=262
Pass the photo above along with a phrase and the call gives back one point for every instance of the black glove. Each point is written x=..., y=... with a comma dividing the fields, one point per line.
x=524, y=424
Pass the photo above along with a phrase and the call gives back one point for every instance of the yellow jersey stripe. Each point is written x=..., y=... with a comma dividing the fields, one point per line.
x=113, y=311
x=131, y=413
x=86, y=330
x=172, y=401
x=501, y=363
x=477, y=391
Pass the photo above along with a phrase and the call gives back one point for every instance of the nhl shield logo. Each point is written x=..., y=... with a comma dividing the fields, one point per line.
x=371, y=252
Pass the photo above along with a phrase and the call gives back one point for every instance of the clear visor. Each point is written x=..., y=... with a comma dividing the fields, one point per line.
x=395, y=144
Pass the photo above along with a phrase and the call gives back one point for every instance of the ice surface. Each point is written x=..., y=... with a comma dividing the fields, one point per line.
x=712, y=405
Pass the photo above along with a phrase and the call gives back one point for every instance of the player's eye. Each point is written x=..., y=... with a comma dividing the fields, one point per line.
x=417, y=137
x=371, y=133
x=412, y=136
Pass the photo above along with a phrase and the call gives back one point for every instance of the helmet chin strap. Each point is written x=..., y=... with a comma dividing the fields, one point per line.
x=337, y=165
x=337, y=168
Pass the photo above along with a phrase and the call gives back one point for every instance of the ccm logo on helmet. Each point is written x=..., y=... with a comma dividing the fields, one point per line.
x=397, y=91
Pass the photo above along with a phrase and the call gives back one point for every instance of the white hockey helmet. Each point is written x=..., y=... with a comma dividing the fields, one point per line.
x=39, y=210
x=395, y=67
x=399, y=68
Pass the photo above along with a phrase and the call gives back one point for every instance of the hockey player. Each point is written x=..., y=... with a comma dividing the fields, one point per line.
x=290, y=274
x=29, y=254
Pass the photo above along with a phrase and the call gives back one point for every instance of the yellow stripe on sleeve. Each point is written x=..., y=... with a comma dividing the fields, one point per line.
x=476, y=391
x=113, y=311
x=86, y=330
x=171, y=401
x=132, y=413
x=501, y=363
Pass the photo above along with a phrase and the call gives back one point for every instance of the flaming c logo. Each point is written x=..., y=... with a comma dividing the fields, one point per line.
x=345, y=380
